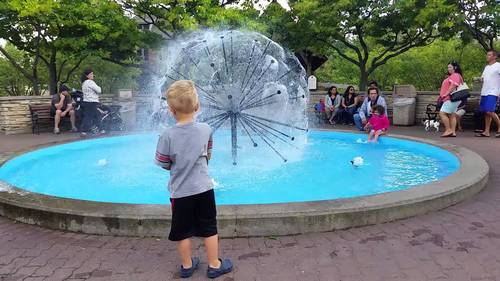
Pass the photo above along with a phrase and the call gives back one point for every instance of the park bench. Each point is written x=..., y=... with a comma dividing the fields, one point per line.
x=41, y=118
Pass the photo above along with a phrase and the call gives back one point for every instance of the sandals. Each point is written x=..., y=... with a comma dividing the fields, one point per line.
x=226, y=266
x=482, y=135
x=449, y=136
x=188, y=272
x=497, y=135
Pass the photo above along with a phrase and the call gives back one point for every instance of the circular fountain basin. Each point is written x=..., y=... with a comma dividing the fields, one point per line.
x=111, y=185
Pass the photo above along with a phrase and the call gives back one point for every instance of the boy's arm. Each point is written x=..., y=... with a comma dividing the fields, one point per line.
x=162, y=156
x=209, y=148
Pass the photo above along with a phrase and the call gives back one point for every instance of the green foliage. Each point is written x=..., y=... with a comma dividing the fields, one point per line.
x=480, y=19
x=12, y=84
x=61, y=34
x=110, y=76
x=369, y=33
x=423, y=67
x=171, y=17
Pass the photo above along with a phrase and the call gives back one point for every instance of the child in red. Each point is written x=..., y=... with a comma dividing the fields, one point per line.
x=379, y=123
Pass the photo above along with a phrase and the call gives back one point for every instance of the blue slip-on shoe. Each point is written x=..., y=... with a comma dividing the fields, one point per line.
x=187, y=272
x=226, y=266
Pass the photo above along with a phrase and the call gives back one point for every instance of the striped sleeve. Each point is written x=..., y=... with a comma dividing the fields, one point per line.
x=162, y=156
x=210, y=144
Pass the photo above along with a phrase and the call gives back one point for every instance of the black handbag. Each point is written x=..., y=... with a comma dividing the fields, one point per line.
x=461, y=93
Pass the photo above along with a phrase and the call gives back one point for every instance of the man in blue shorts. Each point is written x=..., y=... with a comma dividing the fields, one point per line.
x=489, y=93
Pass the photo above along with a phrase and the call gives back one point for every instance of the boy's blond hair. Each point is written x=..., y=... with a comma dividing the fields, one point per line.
x=182, y=97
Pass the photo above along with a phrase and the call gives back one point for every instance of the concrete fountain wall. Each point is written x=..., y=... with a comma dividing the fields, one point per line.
x=253, y=220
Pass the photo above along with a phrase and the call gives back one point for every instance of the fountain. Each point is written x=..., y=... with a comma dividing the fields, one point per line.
x=247, y=84
x=287, y=180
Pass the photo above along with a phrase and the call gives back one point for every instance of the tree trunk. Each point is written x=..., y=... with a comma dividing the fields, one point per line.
x=35, y=81
x=306, y=60
x=309, y=71
x=363, y=78
x=52, y=68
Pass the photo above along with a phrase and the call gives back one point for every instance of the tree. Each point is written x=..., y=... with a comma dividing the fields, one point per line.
x=62, y=34
x=171, y=17
x=369, y=33
x=282, y=26
x=424, y=67
x=10, y=83
x=481, y=20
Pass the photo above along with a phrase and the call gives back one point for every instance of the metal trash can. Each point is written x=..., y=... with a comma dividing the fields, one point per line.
x=404, y=103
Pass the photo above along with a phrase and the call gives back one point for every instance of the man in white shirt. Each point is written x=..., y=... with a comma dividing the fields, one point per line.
x=489, y=93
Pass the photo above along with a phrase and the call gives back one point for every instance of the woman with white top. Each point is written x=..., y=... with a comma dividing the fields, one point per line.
x=91, y=92
x=332, y=104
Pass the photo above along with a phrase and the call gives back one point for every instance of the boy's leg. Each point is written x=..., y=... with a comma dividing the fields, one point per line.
x=212, y=246
x=184, y=249
x=181, y=228
x=206, y=216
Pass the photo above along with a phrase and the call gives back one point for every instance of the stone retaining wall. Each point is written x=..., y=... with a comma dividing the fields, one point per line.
x=423, y=99
x=15, y=116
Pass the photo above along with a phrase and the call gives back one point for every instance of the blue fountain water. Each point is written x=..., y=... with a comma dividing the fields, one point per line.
x=121, y=169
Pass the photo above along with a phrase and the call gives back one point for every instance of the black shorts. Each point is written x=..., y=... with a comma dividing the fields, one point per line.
x=193, y=215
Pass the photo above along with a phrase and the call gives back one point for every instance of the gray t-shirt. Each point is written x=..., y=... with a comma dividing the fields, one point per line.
x=184, y=150
x=56, y=98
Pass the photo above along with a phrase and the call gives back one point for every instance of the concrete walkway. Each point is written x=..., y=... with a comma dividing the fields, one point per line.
x=459, y=243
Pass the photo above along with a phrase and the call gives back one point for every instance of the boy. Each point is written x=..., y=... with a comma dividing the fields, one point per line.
x=185, y=150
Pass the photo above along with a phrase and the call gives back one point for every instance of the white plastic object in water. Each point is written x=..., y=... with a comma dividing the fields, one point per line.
x=102, y=162
x=357, y=161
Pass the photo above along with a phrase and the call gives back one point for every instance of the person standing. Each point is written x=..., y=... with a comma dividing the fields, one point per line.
x=91, y=92
x=489, y=93
x=449, y=108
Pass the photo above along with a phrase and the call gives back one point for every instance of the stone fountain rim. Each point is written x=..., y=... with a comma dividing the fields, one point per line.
x=251, y=219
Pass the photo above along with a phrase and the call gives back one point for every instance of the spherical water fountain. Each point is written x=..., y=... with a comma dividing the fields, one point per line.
x=272, y=176
x=247, y=84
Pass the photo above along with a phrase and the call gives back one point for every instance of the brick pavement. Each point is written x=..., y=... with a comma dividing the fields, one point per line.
x=459, y=243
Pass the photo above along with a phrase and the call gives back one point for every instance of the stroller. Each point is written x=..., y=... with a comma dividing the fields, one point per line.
x=110, y=118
